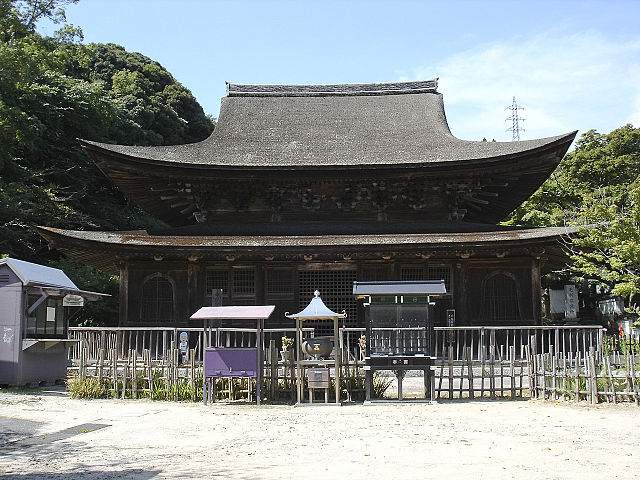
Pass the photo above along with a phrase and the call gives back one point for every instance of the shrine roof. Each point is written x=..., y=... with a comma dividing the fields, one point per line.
x=105, y=250
x=335, y=126
x=142, y=238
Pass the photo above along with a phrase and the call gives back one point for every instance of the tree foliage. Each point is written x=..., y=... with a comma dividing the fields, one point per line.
x=54, y=90
x=604, y=163
x=596, y=184
x=610, y=252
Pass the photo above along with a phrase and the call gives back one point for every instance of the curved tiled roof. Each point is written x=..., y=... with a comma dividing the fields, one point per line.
x=339, y=126
x=143, y=239
x=104, y=250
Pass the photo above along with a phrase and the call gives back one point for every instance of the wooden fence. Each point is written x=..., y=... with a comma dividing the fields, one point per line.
x=495, y=375
x=472, y=362
x=611, y=378
x=159, y=341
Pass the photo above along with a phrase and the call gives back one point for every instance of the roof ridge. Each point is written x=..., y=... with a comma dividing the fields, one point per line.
x=338, y=89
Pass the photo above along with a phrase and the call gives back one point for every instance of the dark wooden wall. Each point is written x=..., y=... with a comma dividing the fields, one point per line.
x=468, y=278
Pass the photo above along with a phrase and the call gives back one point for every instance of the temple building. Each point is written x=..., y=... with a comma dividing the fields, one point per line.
x=311, y=187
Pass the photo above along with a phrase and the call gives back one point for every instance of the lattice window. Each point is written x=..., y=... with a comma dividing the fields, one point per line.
x=501, y=299
x=336, y=290
x=244, y=283
x=442, y=272
x=413, y=273
x=157, y=301
x=217, y=280
x=279, y=283
x=374, y=273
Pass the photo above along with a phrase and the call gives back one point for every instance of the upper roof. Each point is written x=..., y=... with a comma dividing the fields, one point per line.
x=32, y=274
x=339, y=126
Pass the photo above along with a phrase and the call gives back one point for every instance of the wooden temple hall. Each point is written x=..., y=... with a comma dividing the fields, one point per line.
x=312, y=187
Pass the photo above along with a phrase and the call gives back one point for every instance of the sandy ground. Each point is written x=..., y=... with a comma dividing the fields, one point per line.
x=46, y=435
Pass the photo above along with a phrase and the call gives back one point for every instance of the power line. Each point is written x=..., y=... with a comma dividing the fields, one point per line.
x=515, y=128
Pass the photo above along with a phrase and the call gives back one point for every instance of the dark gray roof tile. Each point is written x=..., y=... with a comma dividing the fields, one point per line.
x=291, y=131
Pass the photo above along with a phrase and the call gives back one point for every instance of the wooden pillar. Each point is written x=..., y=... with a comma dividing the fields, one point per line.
x=124, y=294
x=260, y=359
x=336, y=343
x=193, y=301
x=394, y=270
x=260, y=285
x=299, y=368
x=461, y=293
x=536, y=294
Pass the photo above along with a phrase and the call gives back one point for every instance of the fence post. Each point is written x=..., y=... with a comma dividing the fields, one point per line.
x=101, y=355
x=530, y=368
x=82, y=374
x=593, y=379
x=578, y=376
x=469, y=354
x=273, y=364
x=512, y=371
x=450, y=359
x=125, y=373
x=114, y=371
x=632, y=373
x=192, y=355
x=492, y=360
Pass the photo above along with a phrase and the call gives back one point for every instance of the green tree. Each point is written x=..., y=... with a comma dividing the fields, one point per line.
x=596, y=184
x=610, y=252
x=54, y=90
x=607, y=163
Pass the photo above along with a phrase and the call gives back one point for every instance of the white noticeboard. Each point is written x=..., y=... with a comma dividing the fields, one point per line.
x=570, y=301
x=72, y=301
x=51, y=314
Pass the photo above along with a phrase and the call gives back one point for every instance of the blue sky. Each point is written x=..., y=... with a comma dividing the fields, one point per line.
x=573, y=65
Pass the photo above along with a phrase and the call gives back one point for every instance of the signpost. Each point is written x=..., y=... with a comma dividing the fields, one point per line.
x=70, y=300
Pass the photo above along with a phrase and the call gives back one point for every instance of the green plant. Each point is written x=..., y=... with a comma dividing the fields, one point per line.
x=623, y=344
x=87, y=388
x=287, y=343
x=381, y=384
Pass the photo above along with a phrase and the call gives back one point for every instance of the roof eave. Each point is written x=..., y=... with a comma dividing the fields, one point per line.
x=102, y=150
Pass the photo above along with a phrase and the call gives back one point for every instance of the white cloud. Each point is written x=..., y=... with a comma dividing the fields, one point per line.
x=565, y=83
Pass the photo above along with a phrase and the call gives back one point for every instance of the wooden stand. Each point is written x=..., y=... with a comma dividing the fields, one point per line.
x=302, y=365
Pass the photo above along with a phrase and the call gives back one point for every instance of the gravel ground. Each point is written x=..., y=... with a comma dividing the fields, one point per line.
x=46, y=435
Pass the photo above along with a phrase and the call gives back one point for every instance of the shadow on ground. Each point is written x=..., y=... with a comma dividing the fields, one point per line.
x=136, y=473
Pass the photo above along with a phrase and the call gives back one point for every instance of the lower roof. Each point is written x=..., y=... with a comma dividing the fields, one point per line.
x=105, y=249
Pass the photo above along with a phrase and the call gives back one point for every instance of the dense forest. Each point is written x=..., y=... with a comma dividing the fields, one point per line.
x=56, y=89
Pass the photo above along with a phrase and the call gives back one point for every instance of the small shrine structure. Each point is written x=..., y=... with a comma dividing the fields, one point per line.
x=304, y=187
x=316, y=311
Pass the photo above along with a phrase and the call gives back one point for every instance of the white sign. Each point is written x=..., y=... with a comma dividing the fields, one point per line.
x=72, y=301
x=570, y=301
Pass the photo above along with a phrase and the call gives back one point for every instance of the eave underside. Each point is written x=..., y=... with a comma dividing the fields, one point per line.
x=476, y=192
x=108, y=251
